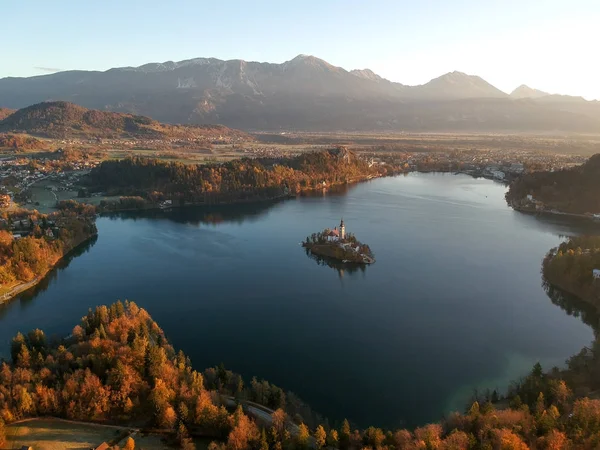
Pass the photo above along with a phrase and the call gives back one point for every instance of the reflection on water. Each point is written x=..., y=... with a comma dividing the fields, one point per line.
x=335, y=191
x=26, y=298
x=209, y=215
x=341, y=268
x=564, y=226
x=573, y=305
x=435, y=314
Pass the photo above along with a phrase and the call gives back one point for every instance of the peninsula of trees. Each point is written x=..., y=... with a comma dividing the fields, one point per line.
x=117, y=366
x=571, y=267
x=575, y=190
x=32, y=243
x=234, y=181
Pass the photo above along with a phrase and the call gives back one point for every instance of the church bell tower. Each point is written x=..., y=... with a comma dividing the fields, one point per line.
x=342, y=230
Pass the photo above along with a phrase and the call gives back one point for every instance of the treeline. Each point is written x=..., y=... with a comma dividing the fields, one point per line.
x=31, y=243
x=238, y=180
x=117, y=366
x=575, y=190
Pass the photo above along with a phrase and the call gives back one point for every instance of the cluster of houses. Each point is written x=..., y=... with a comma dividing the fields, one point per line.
x=22, y=175
x=23, y=226
x=498, y=164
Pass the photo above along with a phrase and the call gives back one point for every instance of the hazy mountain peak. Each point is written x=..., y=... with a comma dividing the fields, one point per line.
x=454, y=75
x=525, y=91
x=461, y=85
x=167, y=65
x=367, y=74
x=309, y=61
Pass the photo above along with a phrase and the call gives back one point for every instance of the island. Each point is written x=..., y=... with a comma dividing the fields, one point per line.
x=339, y=245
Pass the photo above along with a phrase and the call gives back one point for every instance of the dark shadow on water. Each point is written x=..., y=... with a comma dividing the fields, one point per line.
x=564, y=226
x=218, y=214
x=335, y=191
x=573, y=306
x=25, y=298
x=341, y=268
x=204, y=214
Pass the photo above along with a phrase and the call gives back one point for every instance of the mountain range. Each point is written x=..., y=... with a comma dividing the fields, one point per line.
x=305, y=93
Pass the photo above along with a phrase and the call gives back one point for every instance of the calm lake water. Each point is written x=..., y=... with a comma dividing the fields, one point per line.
x=453, y=302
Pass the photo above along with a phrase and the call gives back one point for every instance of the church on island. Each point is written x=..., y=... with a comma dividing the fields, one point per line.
x=337, y=234
x=338, y=245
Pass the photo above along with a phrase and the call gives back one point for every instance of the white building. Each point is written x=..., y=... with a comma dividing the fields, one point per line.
x=498, y=174
x=337, y=234
x=597, y=274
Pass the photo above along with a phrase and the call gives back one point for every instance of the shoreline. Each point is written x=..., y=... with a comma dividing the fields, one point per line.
x=319, y=250
x=20, y=288
x=551, y=212
x=250, y=200
x=186, y=205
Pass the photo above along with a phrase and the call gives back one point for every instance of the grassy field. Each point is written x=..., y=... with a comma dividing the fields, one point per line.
x=50, y=434
x=56, y=434
x=45, y=200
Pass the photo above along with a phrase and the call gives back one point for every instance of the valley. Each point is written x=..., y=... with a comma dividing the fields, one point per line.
x=189, y=187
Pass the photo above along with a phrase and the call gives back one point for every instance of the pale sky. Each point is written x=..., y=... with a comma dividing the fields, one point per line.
x=550, y=45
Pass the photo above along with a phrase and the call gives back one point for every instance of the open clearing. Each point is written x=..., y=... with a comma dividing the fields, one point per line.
x=52, y=434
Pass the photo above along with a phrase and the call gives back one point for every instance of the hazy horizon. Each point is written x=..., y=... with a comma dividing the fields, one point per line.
x=544, y=45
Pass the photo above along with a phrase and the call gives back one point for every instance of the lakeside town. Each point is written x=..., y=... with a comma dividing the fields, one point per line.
x=43, y=180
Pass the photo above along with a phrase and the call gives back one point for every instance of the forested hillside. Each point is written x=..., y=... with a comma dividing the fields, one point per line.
x=575, y=190
x=117, y=366
x=571, y=266
x=32, y=243
x=232, y=181
x=19, y=142
x=67, y=120
x=5, y=112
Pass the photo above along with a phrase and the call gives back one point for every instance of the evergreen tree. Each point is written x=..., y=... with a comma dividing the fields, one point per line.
x=345, y=435
x=320, y=436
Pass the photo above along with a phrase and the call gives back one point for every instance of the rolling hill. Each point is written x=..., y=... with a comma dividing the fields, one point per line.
x=67, y=120
x=5, y=112
x=20, y=142
x=305, y=93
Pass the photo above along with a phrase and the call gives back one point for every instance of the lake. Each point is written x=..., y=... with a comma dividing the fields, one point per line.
x=453, y=302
